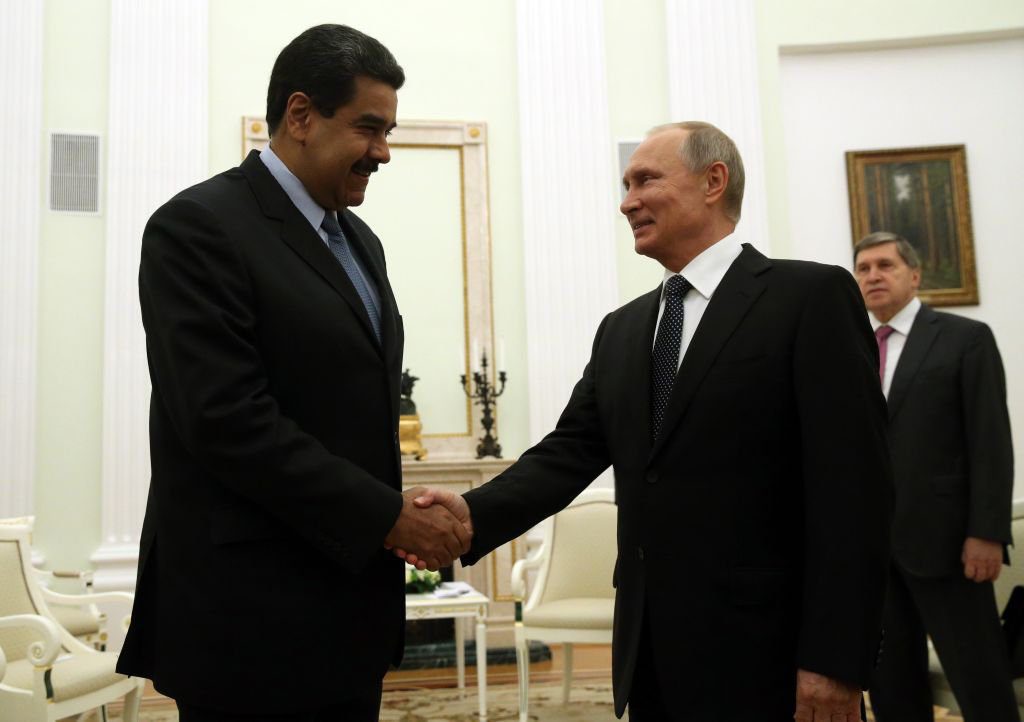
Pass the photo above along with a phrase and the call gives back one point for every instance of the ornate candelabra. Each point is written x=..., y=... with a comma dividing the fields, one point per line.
x=485, y=394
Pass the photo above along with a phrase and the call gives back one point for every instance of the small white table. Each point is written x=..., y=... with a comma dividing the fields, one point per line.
x=473, y=604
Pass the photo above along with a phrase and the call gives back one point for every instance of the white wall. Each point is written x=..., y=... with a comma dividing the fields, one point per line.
x=461, y=61
x=970, y=93
x=72, y=248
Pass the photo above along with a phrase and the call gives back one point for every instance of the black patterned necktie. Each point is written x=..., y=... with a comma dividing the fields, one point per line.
x=665, y=358
x=343, y=252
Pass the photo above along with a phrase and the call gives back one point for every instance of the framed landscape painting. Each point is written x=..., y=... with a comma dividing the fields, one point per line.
x=921, y=194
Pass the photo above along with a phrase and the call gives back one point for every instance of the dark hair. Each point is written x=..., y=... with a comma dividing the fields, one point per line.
x=878, y=238
x=324, y=62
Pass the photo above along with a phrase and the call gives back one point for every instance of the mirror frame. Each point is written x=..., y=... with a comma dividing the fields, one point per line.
x=470, y=140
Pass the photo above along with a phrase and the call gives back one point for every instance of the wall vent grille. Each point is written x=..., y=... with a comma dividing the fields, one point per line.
x=74, y=173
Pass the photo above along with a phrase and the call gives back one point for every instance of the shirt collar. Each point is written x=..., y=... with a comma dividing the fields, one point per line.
x=708, y=269
x=903, y=320
x=313, y=211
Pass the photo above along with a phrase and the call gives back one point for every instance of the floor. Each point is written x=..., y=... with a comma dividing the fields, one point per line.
x=591, y=668
x=590, y=661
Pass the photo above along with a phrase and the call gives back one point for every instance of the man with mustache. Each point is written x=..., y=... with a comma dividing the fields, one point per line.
x=738, y=404
x=952, y=453
x=265, y=587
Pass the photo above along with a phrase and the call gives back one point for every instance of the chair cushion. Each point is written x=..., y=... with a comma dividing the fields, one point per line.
x=76, y=620
x=579, y=613
x=72, y=676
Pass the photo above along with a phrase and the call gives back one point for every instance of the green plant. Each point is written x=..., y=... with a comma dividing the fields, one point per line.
x=419, y=582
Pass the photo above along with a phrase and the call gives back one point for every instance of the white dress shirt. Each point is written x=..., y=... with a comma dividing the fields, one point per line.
x=704, y=273
x=313, y=212
x=900, y=324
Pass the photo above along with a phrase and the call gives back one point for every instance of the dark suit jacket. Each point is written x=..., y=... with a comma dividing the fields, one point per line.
x=949, y=431
x=276, y=473
x=754, y=533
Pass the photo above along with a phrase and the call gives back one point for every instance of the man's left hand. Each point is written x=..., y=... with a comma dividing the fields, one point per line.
x=982, y=558
x=823, y=699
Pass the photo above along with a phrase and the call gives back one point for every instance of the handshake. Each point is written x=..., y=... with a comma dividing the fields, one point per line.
x=433, y=529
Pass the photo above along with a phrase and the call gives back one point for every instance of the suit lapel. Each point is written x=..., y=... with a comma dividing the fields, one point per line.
x=922, y=335
x=740, y=287
x=635, y=372
x=300, y=236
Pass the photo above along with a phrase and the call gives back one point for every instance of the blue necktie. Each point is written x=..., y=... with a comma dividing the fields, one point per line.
x=343, y=252
x=665, y=358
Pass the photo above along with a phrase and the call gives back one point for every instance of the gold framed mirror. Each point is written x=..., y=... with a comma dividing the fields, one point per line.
x=429, y=206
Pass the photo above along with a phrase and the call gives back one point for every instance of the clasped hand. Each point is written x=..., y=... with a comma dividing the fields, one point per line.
x=982, y=559
x=431, y=535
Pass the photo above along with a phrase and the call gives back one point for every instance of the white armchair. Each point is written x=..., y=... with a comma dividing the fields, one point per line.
x=45, y=672
x=76, y=613
x=572, y=600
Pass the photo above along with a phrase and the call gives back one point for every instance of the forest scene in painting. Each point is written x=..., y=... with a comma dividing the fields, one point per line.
x=915, y=199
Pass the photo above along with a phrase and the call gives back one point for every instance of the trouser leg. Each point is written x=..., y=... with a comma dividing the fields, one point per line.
x=899, y=685
x=962, y=619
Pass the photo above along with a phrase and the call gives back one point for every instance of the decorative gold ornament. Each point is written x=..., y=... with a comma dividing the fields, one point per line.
x=409, y=442
x=409, y=426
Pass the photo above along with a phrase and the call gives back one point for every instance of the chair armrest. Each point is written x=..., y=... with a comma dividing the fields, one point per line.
x=85, y=575
x=62, y=574
x=81, y=600
x=46, y=577
x=519, y=573
x=41, y=653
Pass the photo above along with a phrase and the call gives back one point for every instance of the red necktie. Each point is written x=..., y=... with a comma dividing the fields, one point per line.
x=882, y=334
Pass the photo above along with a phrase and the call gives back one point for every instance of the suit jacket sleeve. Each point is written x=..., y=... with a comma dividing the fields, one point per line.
x=200, y=313
x=546, y=477
x=988, y=439
x=847, y=483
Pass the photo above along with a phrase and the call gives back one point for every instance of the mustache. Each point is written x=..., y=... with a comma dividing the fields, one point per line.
x=366, y=166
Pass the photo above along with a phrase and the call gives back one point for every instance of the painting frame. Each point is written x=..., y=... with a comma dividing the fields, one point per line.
x=922, y=194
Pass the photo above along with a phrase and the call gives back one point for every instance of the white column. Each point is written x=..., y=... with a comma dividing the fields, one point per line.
x=712, y=75
x=157, y=146
x=21, y=77
x=569, y=200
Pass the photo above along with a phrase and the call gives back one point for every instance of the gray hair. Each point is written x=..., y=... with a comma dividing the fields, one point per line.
x=878, y=238
x=705, y=144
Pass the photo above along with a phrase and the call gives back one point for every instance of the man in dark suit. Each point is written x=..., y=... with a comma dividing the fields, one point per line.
x=739, y=407
x=275, y=348
x=949, y=432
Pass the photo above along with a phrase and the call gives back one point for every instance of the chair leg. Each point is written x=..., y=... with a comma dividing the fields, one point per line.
x=132, y=700
x=523, y=672
x=566, y=672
